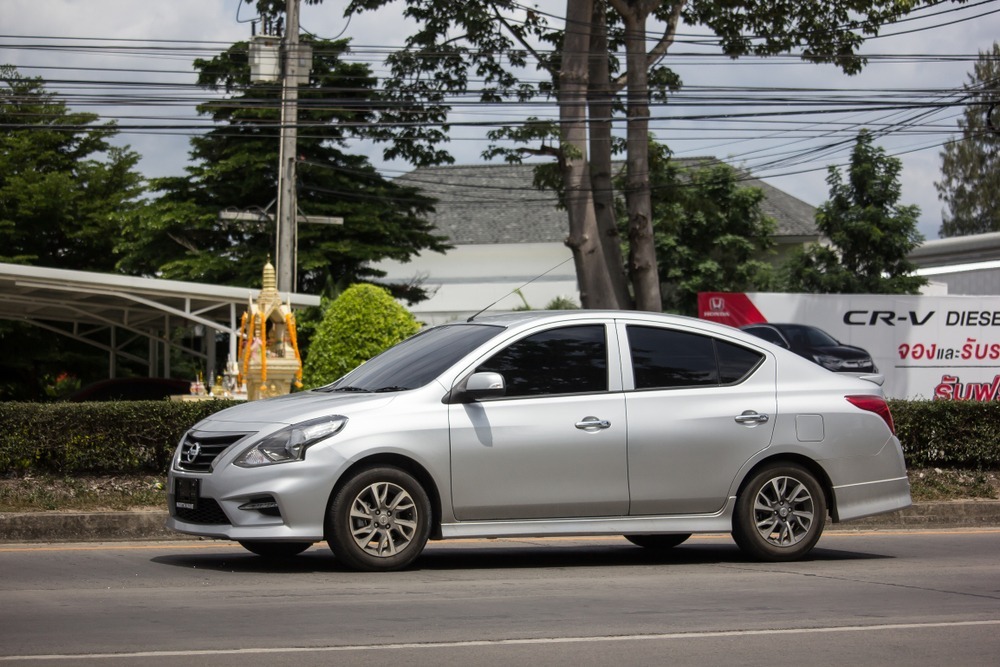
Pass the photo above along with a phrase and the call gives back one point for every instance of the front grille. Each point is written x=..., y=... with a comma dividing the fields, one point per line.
x=208, y=513
x=858, y=365
x=199, y=449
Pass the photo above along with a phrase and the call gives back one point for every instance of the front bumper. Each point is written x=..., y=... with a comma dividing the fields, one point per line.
x=284, y=502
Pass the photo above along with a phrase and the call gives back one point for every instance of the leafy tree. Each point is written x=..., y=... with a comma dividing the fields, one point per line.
x=871, y=234
x=65, y=192
x=480, y=48
x=362, y=322
x=709, y=230
x=970, y=166
x=235, y=166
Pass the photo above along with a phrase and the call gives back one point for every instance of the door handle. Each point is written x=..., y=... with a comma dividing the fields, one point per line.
x=593, y=424
x=751, y=417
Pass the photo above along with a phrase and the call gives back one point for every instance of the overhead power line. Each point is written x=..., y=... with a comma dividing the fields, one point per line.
x=147, y=88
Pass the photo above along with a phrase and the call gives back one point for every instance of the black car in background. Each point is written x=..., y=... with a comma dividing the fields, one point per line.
x=816, y=345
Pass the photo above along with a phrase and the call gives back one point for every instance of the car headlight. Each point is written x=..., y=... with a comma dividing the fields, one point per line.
x=827, y=362
x=290, y=444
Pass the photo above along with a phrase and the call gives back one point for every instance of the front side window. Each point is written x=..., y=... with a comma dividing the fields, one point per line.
x=665, y=358
x=568, y=360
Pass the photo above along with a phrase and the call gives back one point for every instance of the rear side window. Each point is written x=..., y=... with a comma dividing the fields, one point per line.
x=568, y=360
x=667, y=358
x=735, y=362
x=664, y=358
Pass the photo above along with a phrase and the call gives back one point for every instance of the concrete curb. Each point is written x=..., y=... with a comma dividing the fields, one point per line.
x=951, y=514
x=84, y=526
x=149, y=525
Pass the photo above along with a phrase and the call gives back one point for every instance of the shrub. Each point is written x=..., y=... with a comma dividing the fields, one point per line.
x=362, y=322
x=139, y=437
x=117, y=438
x=949, y=433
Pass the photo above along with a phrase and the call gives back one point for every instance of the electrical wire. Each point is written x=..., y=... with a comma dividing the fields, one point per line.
x=804, y=125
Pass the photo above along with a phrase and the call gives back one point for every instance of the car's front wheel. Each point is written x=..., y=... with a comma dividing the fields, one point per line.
x=780, y=513
x=275, y=549
x=379, y=520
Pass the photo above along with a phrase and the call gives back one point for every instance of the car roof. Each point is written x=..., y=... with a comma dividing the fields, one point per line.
x=528, y=318
x=780, y=325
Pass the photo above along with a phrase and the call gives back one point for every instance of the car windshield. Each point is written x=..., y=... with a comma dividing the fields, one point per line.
x=417, y=360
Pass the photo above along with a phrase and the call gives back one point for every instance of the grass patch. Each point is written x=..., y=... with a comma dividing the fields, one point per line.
x=928, y=484
x=41, y=493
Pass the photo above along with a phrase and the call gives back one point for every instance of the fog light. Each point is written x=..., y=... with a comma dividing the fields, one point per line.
x=264, y=504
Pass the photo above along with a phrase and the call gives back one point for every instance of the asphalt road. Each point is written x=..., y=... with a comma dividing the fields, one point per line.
x=913, y=598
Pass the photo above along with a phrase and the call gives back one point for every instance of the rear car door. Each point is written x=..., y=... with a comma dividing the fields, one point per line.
x=699, y=408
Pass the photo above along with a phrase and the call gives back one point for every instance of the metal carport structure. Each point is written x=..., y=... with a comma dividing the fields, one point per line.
x=111, y=311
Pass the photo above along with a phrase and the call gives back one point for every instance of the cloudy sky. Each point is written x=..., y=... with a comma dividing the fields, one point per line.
x=785, y=120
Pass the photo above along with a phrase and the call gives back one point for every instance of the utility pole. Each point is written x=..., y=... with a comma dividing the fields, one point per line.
x=288, y=62
x=287, y=158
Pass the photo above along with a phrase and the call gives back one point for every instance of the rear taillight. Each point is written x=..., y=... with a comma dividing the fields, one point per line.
x=874, y=404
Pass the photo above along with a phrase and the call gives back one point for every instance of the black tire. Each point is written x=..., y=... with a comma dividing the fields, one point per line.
x=658, y=542
x=275, y=549
x=379, y=520
x=780, y=514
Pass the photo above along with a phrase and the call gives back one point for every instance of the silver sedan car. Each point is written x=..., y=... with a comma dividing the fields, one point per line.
x=547, y=423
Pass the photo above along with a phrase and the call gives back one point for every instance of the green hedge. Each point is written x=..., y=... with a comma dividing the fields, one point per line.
x=121, y=438
x=116, y=438
x=951, y=434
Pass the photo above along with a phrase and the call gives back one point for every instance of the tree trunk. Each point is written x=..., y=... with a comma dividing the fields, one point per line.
x=642, y=253
x=596, y=290
x=600, y=109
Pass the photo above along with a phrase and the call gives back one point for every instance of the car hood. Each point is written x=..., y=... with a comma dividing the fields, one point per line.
x=295, y=408
x=842, y=351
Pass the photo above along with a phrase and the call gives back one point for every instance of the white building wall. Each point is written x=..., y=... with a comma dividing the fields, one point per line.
x=979, y=278
x=469, y=278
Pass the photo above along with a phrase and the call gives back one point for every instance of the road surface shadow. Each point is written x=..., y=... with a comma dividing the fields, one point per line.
x=486, y=555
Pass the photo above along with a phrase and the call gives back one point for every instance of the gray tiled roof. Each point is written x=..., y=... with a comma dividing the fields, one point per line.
x=497, y=203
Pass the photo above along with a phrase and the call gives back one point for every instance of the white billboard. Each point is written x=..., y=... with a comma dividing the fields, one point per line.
x=928, y=347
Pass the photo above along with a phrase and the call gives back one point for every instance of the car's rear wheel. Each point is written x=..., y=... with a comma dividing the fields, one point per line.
x=379, y=520
x=275, y=549
x=659, y=542
x=780, y=513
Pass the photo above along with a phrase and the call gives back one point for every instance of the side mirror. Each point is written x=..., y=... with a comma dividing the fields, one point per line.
x=485, y=385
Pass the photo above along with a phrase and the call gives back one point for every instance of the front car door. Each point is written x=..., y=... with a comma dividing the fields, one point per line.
x=555, y=445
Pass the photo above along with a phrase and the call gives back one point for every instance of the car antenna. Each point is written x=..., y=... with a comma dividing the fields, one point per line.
x=518, y=288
